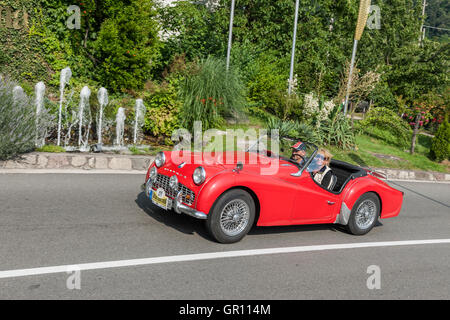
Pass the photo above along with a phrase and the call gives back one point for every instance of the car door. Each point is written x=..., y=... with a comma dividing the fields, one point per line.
x=313, y=204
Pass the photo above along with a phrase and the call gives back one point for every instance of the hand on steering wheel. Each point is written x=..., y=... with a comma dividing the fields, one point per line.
x=297, y=155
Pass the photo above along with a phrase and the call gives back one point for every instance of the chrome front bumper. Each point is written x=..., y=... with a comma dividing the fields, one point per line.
x=178, y=205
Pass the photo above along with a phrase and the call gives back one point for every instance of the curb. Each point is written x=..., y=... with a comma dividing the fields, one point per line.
x=413, y=175
x=77, y=161
x=111, y=163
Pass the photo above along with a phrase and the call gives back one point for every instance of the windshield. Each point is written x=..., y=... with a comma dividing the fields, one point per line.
x=316, y=164
x=283, y=148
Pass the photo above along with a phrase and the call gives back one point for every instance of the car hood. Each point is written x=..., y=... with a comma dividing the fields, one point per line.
x=183, y=165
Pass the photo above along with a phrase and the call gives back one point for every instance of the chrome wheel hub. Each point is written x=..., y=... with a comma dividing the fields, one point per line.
x=366, y=214
x=234, y=217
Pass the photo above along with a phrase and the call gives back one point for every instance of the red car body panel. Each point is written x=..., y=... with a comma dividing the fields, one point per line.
x=281, y=199
x=391, y=199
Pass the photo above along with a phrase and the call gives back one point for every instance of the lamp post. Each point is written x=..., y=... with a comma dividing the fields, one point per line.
x=230, y=34
x=364, y=6
x=422, y=29
x=291, y=72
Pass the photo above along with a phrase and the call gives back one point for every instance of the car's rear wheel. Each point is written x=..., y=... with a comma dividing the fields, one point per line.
x=232, y=216
x=364, y=214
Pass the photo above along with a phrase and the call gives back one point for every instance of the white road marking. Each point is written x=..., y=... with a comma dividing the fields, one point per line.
x=208, y=256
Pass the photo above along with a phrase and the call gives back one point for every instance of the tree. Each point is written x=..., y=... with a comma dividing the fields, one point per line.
x=415, y=70
x=127, y=46
x=438, y=15
x=440, y=147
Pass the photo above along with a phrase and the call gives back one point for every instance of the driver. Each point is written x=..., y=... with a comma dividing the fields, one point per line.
x=299, y=152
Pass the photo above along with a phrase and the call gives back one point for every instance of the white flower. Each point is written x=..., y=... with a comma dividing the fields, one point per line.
x=293, y=84
x=327, y=107
x=311, y=105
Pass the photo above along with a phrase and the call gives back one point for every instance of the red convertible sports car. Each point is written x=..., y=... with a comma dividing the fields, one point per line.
x=232, y=191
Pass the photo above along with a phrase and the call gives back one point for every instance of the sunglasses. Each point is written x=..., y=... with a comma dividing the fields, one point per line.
x=321, y=157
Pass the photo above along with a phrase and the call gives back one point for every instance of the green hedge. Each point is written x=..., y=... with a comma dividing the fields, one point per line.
x=440, y=147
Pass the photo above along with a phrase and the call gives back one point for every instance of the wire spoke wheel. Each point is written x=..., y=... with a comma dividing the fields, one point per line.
x=365, y=214
x=234, y=217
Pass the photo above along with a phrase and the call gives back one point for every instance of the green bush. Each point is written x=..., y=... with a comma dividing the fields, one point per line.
x=189, y=28
x=17, y=122
x=338, y=131
x=127, y=46
x=386, y=119
x=285, y=128
x=294, y=129
x=268, y=85
x=440, y=146
x=210, y=93
x=163, y=108
x=306, y=132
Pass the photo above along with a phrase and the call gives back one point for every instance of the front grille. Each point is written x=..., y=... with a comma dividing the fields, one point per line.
x=162, y=181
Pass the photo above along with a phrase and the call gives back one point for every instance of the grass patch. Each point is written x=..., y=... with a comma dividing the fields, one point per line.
x=154, y=150
x=367, y=145
x=51, y=148
x=251, y=122
x=139, y=151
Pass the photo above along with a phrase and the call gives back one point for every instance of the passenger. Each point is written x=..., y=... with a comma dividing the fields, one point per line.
x=321, y=171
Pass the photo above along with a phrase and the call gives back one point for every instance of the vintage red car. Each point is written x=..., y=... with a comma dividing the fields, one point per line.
x=232, y=193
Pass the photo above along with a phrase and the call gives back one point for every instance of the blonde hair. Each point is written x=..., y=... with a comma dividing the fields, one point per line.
x=326, y=154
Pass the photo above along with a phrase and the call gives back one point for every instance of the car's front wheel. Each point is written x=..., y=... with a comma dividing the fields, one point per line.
x=232, y=216
x=364, y=214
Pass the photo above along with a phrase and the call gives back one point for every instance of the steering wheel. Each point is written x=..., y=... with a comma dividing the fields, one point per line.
x=292, y=158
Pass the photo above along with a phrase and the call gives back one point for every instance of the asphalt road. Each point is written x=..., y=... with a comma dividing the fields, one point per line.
x=70, y=219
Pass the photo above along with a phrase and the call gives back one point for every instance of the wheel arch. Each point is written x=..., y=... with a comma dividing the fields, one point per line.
x=379, y=199
x=251, y=193
x=349, y=201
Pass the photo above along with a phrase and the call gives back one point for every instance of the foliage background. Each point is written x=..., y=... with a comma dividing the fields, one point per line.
x=133, y=48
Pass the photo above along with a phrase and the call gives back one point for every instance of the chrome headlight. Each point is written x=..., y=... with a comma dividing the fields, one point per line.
x=173, y=183
x=199, y=175
x=153, y=173
x=160, y=159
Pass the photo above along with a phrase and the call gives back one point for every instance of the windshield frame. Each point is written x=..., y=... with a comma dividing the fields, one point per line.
x=307, y=162
x=300, y=167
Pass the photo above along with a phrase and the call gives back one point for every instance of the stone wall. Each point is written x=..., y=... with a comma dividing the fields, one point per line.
x=41, y=160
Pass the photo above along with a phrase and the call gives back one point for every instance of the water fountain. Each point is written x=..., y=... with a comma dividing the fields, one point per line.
x=102, y=96
x=139, y=111
x=66, y=74
x=39, y=90
x=120, y=126
x=84, y=105
x=18, y=94
x=70, y=117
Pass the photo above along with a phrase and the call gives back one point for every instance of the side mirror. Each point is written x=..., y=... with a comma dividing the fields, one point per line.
x=239, y=166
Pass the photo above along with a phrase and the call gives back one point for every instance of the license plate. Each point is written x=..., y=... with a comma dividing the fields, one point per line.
x=159, y=198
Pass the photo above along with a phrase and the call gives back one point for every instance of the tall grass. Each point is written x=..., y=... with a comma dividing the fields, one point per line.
x=17, y=122
x=210, y=94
